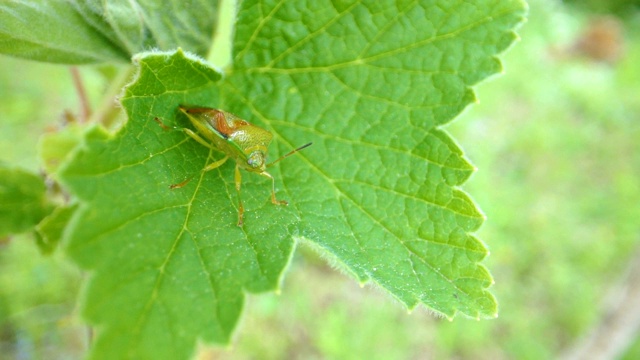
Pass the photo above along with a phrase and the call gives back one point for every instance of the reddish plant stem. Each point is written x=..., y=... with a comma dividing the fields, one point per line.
x=85, y=110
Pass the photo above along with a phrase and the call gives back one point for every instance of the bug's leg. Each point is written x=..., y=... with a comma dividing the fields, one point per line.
x=189, y=132
x=238, y=181
x=163, y=125
x=273, y=190
x=180, y=184
x=215, y=164
x=197, y=137
x=209, y=167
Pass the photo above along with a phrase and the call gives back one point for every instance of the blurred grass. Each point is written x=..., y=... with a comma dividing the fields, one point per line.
x=556, y=142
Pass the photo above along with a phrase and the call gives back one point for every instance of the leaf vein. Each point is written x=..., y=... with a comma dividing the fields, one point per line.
x=312, y=35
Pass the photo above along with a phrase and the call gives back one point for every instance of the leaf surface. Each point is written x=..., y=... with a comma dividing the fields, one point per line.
x=369, y=83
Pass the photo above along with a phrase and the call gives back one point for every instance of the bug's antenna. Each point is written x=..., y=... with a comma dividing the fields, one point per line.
x=290, y=153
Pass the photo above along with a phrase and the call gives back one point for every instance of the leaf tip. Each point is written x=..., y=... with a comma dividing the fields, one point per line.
x=177, y=53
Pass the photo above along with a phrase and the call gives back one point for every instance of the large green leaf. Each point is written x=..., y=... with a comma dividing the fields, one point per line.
x=93, y=31
x=369, y=83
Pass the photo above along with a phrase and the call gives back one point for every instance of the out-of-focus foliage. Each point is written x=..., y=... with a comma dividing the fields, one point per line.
x=619, y=7
x=23, y=201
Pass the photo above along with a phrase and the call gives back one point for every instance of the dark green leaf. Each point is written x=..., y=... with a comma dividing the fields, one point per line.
x=53, y=31
x=95, y=31
x=151, y=24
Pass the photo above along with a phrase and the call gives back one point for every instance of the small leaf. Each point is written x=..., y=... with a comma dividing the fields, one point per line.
x=49, y=231
x=54, y=147
x=95, y=31
x=23, y=200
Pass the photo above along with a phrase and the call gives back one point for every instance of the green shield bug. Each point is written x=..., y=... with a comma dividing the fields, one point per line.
x=238, y=139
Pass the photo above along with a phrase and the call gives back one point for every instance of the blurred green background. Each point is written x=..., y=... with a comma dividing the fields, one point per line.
x=557, y=145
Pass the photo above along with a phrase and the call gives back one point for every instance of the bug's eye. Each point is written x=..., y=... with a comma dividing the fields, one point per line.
x=256, y=160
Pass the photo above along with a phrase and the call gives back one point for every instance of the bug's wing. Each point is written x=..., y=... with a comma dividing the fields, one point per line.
x=251, y=137
x=227, y=124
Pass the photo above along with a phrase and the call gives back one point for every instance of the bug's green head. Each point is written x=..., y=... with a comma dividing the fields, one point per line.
x=257, y=160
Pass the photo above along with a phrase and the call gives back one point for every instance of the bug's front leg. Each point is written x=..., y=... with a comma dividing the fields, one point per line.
x=163, y=125
x=273, y=190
